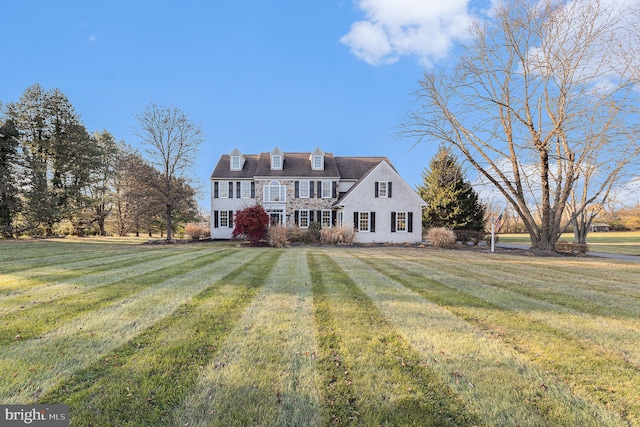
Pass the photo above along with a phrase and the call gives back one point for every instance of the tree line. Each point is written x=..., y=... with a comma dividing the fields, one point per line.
x=57, y=178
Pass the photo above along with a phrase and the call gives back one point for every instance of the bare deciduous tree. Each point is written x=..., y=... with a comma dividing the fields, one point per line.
x=544, y=104
x=172, y=142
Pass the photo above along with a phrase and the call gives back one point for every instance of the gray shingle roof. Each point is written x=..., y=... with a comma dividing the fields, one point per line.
x=297, y=165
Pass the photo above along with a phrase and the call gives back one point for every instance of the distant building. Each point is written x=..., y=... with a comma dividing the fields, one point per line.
x=301, y=188
x=598, y=227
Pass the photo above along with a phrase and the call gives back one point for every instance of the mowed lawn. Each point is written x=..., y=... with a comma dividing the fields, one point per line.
x=615, y=242
x=216, y=334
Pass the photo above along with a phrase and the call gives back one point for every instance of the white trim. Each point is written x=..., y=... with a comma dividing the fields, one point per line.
x=368, y=221
x=300, y=218
x=307, y=193
x=405, y=221
x=245, y=189
x=223, y=186
x=327, y=188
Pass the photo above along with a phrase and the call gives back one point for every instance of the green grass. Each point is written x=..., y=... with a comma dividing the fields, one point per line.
x=215, y=334
x=615, y=242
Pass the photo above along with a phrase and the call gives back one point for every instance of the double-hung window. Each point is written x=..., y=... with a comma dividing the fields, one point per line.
x=223, y=219
x=276, y=161
x=401, y=221
x=326, y=189
x=235, y=163
x=304, y=189
x=223, y=190
x=245, y=189
x=382, y=189
x=326, y=219
x=303, y=218
x=363, y=221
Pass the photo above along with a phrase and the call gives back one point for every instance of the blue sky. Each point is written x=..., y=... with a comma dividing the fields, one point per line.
x=333, y=74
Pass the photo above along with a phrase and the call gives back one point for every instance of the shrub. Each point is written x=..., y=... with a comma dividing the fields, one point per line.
x=470, y=236
x=441, y=237
x=196, y=230
x=338, y=235
x=312, y=235
x=277, y=236
x=295, y=234
x=252, y=222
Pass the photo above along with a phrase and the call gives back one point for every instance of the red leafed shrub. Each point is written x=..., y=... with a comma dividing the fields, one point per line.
x=252, y=222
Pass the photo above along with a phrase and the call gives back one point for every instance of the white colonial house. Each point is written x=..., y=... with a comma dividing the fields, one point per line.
x=301, y=188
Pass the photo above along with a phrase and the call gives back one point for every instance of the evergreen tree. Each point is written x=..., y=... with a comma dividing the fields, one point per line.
x=9, y=191
x=59, y=156
x=451, y=201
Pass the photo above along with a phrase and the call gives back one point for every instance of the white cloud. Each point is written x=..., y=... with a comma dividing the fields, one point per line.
x=92, y=38
x=418, y=28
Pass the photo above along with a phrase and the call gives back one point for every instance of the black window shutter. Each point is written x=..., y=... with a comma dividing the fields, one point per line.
x=296, y=215
x=372, y=220
x=253, y=190
x=389, y=189
x=297, y=189
x=355, y=220
x=215, y=190
x=319, y=190
x=238, y=194
x=231, y=189
x=393, y=222
x=215, y=218
x=335, y=189
x=310, y=188
x=319, y=217
x=410, y=222
x=311, y=216
x=376, y=194
x=230, y=219
x=334, y=216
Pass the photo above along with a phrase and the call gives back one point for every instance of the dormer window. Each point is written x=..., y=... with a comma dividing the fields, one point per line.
x=317, y=160
x=276, y=161
x=235, y=163
x=236, y=160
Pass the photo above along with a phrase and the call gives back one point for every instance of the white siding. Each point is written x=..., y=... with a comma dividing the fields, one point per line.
x=403, y=199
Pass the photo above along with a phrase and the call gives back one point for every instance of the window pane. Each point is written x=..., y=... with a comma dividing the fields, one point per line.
x=223, y=189
x=235, y=162
x=245, y=189
x=382, y=189
x=276, y=162
x=326, y=218
x=304, y=219
x=364, y=221
x=224, y=219
x=304, y=189
x=326, y=189
x=401, y=221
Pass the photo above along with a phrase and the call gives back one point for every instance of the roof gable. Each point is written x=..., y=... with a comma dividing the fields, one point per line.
x=371, y=175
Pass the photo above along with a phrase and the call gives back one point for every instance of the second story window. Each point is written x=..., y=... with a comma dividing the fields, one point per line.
x=326, y=189
x=223, y=190
x=245, y=189
x=304, y=189
x=382, y=189
x=274, y=192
